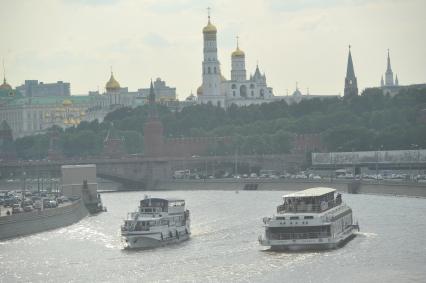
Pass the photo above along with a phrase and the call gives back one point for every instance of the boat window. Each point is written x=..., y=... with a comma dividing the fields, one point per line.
x=177, y=203
x=294, y=217
x=280, y=218
x=139, y=225
x=309, y=217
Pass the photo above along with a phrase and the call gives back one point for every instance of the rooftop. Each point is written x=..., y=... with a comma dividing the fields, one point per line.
x=164, y=199
x=312, y=192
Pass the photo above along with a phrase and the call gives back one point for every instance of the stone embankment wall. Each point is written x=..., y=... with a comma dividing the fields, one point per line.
x=414, y=190
x=38, y=221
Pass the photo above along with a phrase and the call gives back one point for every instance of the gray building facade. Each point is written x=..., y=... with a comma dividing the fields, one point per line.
x=34, y=88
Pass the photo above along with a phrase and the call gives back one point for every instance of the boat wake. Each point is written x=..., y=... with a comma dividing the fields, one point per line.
x=366, y=234
x=86, y=232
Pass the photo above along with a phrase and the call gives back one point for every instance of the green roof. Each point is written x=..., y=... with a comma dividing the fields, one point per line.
x=9, y=94
x=49, y=100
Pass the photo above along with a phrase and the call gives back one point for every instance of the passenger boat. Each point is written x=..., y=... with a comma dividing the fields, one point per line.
x=158, y=221
x=309, y=219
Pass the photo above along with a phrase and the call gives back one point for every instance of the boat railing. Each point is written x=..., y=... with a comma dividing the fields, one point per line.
x=308, y=207
x=296, y=236
x=132, y=228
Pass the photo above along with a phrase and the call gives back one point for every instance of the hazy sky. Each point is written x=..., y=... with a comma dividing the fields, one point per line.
x=293, y=40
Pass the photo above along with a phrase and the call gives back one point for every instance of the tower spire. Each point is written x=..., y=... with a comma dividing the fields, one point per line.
x=151, y=94
x=389, y=74
x=208, y=13
x=389, y=68
x=5, y=85
x=4, y=73
x=151, y=102
x=351, y=85
x=350, y=67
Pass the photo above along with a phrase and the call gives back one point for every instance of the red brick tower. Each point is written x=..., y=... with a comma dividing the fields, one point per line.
x=153, y=138
x=113, y=144
x=54, y=151
x=7, y=147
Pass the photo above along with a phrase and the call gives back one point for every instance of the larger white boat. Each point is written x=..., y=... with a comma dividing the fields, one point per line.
x=309, y=219
x=158, y=221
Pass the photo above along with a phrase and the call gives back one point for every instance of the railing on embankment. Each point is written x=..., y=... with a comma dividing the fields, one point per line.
x=406, y=189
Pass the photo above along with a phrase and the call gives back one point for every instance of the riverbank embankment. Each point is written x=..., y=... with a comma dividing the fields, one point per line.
x=41, y=220
x=400, y=189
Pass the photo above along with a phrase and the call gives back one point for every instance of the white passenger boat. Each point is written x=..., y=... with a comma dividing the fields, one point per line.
x=157, y=222
x=309, y=219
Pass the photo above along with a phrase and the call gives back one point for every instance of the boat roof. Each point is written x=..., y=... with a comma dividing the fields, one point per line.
x=165, y=199
x=312, y=192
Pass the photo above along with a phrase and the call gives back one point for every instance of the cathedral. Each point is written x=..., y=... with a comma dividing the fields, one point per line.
x=239, y=90
x=389, y=86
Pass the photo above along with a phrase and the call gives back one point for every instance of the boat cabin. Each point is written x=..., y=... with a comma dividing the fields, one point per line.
x=311, y=200
x=157, y=205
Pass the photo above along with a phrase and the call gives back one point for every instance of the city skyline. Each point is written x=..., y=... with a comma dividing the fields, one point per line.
x=293, y=41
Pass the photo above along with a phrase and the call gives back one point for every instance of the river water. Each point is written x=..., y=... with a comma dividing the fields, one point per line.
x=391, y=246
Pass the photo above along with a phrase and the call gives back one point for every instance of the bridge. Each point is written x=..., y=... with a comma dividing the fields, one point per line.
x=139, y=172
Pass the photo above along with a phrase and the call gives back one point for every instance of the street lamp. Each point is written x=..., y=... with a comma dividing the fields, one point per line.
x=377, y=162
x=414, y=146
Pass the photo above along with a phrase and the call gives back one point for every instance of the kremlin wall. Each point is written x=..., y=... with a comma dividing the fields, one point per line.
x=156, y=145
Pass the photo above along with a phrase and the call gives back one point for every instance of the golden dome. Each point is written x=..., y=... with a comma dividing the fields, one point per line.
x=67, y=102
x=5, y=85
x=238, y=53
x=200, y=90
x=209, y=28
x=112, y=84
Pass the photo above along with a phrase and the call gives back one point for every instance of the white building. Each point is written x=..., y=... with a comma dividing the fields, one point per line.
x=239, y=90
x=29, y=116
x=163, y=93
x=113, y=98
x=297, y=96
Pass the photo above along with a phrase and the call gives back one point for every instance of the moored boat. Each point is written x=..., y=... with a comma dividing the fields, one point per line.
x=309, y=219
x=158, y=222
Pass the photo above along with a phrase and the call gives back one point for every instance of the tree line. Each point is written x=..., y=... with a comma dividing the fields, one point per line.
x=370, y=121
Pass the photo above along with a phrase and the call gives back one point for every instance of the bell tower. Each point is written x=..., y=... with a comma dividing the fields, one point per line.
x=211, y=87
x=238, y=71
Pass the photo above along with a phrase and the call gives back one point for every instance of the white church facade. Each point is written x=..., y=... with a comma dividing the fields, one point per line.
x=239, y=90
x=390, y=86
